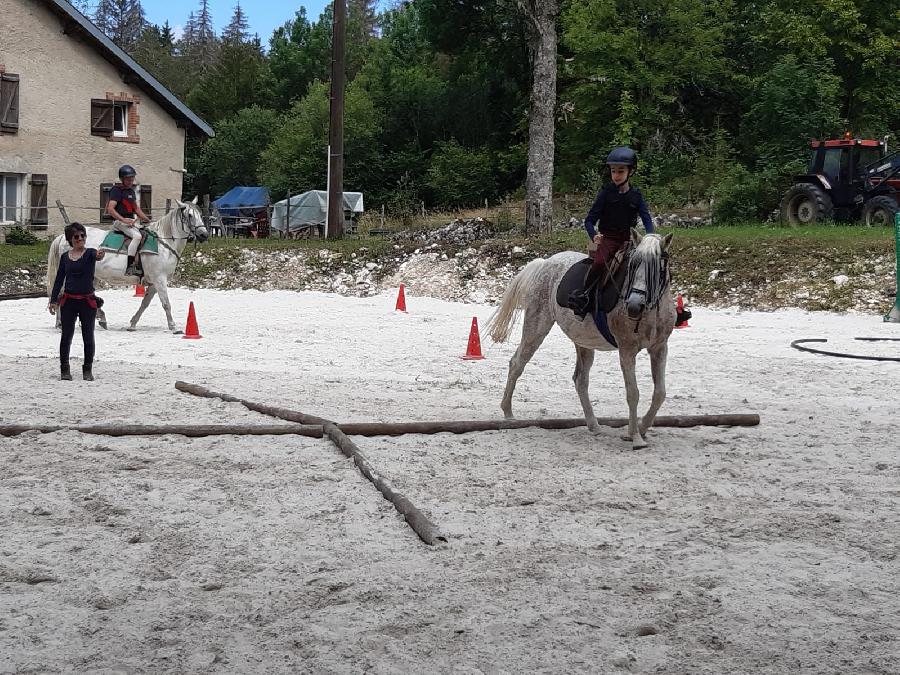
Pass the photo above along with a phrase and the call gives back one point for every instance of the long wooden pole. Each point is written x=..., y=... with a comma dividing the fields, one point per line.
x=418, y=521
x=466, y=426
x=193, y=430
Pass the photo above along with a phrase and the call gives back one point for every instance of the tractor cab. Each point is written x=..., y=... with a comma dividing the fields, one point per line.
x=848, y=179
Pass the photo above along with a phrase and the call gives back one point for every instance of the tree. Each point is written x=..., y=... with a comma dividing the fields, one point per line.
x=296, y=159
x=121, y=20
x=236, y=30
x=233, y=82
x=232, y=157
x=299, y=53
x=542, y=15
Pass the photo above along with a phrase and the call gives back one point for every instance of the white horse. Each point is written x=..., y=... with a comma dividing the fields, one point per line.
x=173, y=230
x=643, y=319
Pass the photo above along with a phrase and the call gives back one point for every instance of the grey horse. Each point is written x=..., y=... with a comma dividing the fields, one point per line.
x=643, y=319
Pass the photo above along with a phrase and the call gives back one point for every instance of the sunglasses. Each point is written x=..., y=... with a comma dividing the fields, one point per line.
x=78, y=236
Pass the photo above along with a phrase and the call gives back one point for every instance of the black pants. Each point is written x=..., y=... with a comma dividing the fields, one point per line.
x=71, y=310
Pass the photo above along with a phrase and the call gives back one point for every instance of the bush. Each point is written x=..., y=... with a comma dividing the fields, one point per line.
x=460, y=176
x=19, y=236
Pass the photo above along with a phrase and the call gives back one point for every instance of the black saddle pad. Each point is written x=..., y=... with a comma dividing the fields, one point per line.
x=573, y=281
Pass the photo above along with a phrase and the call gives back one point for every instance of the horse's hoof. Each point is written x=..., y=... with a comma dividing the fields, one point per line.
x=177, y=332
x=626, y=437
x=639, y=445
x=103, y=325
x=594, y=428
x=131, y=329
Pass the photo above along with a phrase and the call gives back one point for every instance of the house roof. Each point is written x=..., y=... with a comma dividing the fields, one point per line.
x=76, y=23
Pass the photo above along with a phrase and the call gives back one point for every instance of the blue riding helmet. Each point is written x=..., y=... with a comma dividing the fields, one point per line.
x=623, y=155
x=126, y=170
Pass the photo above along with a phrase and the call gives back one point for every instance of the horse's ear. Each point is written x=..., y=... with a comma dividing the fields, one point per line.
x=667, y=240
x=180, y=203
x=195, y=199
x=635, y=237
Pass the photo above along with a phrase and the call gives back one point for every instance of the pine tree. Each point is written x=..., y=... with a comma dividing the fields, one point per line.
x=121, y=20
x=83, y=6
x=205, y=41
x=236, y=31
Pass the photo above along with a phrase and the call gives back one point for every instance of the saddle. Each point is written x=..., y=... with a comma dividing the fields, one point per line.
x=600, y=297
x=116, y=242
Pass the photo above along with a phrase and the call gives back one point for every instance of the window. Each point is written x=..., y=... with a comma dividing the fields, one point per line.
x=10, y=197
x=120, y=119
x=9, y=103
x=116, y=117
x=834, y=162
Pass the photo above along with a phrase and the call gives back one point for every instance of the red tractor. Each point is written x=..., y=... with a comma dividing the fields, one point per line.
x=849, y=180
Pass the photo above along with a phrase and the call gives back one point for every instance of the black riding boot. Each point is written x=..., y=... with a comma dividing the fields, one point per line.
x=64, y=372
x=580, y=301
x=86, y=373
x=129, y=270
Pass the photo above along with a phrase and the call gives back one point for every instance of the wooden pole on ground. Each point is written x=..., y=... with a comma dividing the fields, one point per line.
x=418, y=521
x=466, y=426
x=62, y=212
x=193, y=430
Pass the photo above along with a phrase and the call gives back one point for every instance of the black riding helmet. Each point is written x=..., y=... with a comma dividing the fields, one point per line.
x=623, y=155
x=126, y=170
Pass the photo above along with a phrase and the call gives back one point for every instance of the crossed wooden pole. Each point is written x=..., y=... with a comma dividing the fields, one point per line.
x=317, y=427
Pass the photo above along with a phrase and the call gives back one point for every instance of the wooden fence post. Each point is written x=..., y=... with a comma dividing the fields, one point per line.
x=62, y=211
x=168, y=205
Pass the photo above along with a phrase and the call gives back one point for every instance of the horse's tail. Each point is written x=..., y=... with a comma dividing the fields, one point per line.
x=53, y=263
x=503, y=318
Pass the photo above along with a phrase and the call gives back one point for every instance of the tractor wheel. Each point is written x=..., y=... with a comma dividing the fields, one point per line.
x=879, y=211
x=805, y=204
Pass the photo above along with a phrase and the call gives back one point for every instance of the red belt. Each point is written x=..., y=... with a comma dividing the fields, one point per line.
x=90, y=297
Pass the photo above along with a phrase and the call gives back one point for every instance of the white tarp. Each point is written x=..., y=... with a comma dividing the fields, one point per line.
x=311, y=209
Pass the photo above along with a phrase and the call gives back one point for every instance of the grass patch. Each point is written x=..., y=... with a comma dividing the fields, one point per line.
x=29, y=257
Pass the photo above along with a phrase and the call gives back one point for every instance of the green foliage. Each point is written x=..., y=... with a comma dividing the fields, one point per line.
x=299, y=54
x=232, y=157
x=296, y=158
x=232, y=83
x=19, y=236
x=460, y=176
x=790, y=104
x=742, y=195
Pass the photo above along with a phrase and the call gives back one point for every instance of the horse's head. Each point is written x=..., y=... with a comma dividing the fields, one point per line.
x=191, y=220
x=648, y=273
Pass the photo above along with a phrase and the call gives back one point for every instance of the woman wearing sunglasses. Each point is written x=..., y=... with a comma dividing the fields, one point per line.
x=76, y=269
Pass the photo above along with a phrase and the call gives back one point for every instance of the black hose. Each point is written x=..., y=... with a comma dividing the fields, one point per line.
x=796, y=345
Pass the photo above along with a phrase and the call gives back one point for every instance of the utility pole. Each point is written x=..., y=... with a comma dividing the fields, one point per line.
x=336, y=128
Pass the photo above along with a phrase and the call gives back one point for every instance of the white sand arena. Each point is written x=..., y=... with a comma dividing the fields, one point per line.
x=769, y=549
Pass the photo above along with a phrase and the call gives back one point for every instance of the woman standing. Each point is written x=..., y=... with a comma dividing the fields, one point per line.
x=76, y=269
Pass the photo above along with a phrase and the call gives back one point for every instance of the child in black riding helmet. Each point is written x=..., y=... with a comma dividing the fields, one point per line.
x=615, y=211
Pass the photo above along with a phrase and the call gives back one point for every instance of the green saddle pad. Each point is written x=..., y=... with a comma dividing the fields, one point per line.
x=115, y=241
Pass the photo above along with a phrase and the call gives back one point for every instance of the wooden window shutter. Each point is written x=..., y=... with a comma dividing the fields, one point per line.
x=102, y=119
x=9, y=103
x=104, y=199
x=38, y=185
x=146, y=199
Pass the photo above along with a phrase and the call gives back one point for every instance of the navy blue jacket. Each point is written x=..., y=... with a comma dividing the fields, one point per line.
x=615, y=213
x=78, y=274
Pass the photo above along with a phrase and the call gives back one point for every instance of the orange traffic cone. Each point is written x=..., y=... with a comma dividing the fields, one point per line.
x=473, y=351
x=138, y=291
x=401, y=300
x=681, y=317
x=192, y=332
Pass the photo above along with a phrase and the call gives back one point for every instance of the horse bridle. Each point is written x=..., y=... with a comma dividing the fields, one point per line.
x=665, y=279
x=186, y=226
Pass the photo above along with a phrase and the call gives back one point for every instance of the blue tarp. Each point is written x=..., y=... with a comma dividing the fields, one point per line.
x=242, y=201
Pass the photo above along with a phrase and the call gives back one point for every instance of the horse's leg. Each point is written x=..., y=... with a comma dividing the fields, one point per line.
x=658, y=355
x=584, y=359
x=537, y=324
x=164, y=299
x=148, y=297
x=627, y=360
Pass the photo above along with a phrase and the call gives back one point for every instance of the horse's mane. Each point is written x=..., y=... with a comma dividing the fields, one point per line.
x=163, y=226
x=647, y=256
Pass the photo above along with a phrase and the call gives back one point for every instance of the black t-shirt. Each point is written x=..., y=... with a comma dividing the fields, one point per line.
x=78, y=274
x=125, y=199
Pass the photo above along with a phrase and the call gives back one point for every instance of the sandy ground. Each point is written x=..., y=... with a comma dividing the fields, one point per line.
x=771, y=549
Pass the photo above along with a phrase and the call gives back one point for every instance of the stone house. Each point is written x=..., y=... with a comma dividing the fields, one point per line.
x=73, y=108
